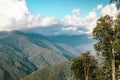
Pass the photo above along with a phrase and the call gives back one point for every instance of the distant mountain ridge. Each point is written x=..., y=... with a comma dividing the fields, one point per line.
x=73, y=40
x=83, y=42
x=22, y=53
x=62, y=71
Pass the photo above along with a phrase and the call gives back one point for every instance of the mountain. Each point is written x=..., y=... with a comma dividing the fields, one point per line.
x=83, y=42
x=22, y=53
x=73, y=40
x=13, y=63
x=56, y=72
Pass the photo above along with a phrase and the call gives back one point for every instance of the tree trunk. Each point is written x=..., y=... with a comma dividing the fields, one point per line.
x=86, y=74
x=113, y=62
x=86, y=77
x=113, y=70
x=113, y=65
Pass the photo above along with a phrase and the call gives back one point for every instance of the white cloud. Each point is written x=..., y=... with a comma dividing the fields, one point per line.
x=99, y=7
x=87, y=22
x=73, y=20
x=109, y=9
x=90, y=21
x=14, y=15
x=49, y=21
x=12, y=12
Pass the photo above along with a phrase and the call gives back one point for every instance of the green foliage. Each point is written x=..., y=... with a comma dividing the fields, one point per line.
x=103, y=32
x=83, y=66
x=77, y=68
x=103, y=72
x=107, y=32
x=100, y=74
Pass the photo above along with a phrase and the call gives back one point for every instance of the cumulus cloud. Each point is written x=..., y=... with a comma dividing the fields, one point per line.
x=12, y=12
x=15, y=15
x=86, y=24
x=81, y=23
x=49, y=21
x=109, y=9
x=99, y=7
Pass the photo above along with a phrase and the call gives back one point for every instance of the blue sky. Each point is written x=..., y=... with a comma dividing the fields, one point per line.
x=60, y=8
